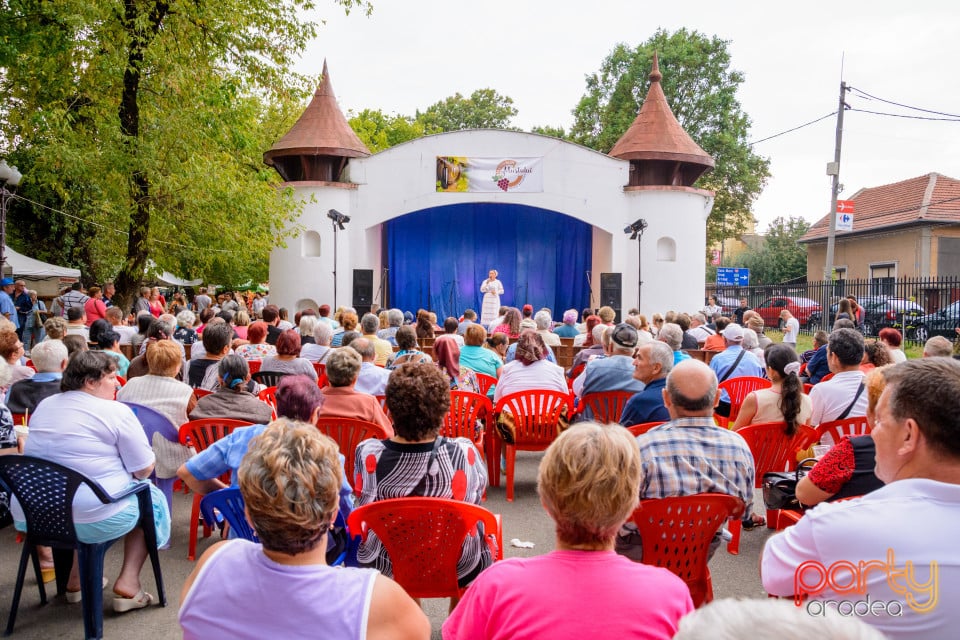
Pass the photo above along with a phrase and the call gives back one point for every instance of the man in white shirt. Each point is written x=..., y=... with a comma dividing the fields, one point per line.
x=372, y=379
x=791, y=328
x=889, y=557
x=115, y=318
x=699, y=329
x=843, y=395
x=202, y=300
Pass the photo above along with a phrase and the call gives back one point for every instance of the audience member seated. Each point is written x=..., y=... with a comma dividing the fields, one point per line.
x=586, y=339
x=288, y=358
x=348, y=322
x=109, y=343
x=691, y=454
x=651, y=365
x=184, y=333
x=394, y=322
x=54, y=328
x=11, y=351
x=290, y=481
x=256, y=347
x=319, y=349
x=116, y=319
x=474, y=356
x=231, y=398
x=937, y=347
x=816, y=358
x=216, y=339
x=588, y=483
x=614, y=372
x=369, y=325
x=593, y=350
x=530, y=370
x=160, y=329
x=406, y=339
x=462, y=378
x=734, y=362
x=510, y=325
x=271, y=317
x=893, y=339
x=50, y=359
x=784, y=400
x=568, y=329
x=875, y=354
x=543, y=323
x=161, y=391
x=340, y=399
x=452, y=328
x=372, y=379
x=847, y=469
x=74, y=344
x=416, y=461
x=77, y=323
x=85, y=429
x=144, y=319
x=716, y=342
x=902, y=524
x=842, y=395
x=671, y=334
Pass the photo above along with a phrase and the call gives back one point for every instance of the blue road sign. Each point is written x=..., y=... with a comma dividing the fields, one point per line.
x=733, y=277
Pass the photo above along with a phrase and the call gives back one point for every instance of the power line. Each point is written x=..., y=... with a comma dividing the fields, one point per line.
x=903, y=115
x=905, y=106
x=112, y=229
x=806, y=124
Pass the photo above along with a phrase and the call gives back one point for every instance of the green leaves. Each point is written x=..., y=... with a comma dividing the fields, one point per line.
x=484, y=109
x=780, y=257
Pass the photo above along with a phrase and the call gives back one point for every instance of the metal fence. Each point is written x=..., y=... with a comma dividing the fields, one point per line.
x=918, y=307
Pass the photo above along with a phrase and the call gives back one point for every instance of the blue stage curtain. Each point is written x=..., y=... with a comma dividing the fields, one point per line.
x=438, y=258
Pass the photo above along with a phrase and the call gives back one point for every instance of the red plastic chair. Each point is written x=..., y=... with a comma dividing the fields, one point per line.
x=121, y=380
x=466, y=410
x=576, y=371
x=738, y=388
x=606, y=406
x=836, y=429
x=199, y=393
x=424, y=538
x=640, y=429
x=807, y=388
x=676, y=535
x=321, y=369
x=254, y=365
x=269, y=395
x=348, y=433
x=827, y=377
x=772, y=450
x=21, y=419
x=536, y=414
x=485, y=381
x=200, y=434
x=29, y=363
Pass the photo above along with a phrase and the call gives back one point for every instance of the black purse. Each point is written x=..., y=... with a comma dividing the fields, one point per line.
x=780, y=487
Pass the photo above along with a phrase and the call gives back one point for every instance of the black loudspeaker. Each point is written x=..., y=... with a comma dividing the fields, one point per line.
x=362, y=290
x=611, y=291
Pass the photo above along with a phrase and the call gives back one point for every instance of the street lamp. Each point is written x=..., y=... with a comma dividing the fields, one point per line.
x=338, y=220
x=636, y=233
x=9, y=180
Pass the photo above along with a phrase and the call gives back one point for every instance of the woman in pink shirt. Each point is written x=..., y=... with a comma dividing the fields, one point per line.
x=589, y=483
x=94, y=306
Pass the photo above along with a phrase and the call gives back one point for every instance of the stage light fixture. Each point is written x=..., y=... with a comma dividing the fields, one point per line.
x=338, y=218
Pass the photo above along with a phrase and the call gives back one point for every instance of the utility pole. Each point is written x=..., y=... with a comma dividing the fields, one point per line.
x=833, y=169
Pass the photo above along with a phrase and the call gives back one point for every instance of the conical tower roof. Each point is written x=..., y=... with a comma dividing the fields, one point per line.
x=322, y=130
x=656, y=134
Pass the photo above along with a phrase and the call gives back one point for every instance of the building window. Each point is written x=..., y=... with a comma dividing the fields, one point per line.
x=666, y=250
x=840, y=281
x=310, y=245
x=882, y=279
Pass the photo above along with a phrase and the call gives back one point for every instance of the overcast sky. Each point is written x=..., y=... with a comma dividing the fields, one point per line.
x=409, y=54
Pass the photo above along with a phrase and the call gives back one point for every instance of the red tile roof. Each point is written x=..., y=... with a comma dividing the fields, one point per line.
x=933, y=198
x=322, y=130
x=656, y=134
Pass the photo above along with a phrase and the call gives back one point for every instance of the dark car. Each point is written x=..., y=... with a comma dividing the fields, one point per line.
x=939, y=323
x=801, y=308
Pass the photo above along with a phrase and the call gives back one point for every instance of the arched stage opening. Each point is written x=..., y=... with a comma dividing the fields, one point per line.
x=438, y=257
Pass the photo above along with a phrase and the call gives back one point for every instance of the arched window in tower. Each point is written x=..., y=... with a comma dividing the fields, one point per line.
x=310, y=247
x=666, y=250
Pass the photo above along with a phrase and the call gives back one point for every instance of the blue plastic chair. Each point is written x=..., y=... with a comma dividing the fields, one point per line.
x=229, y=502
x=153, y=422
x=45, y=491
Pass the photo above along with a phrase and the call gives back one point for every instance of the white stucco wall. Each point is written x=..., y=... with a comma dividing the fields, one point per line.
x=577, y=182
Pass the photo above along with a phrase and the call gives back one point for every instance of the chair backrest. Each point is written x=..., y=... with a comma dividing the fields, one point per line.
x=424, y=538
x=45, y=491
x=466, y=410
x=121, y=381
x=738, y=388
x=254, y=366
x=348, y=433
x=856, y=426
x=677, y=532
x=20, y=419
x=153, y=422
x=772, y=449
x=321, y=370
x=199, y=393
x=229, y=503
x=269, y=395
x=536, y=414
x=639, y=429
x=201, y=433
x=267, y=378
x=829, y=376
x=485, y=381
x=606, y=406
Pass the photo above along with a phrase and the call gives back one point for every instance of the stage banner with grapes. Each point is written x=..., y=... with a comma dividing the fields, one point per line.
x=489, y=175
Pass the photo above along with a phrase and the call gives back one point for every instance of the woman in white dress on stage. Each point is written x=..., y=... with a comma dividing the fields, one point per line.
x=491, y=289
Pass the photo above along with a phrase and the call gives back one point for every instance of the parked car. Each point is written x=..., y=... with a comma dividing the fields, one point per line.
x=801, y=308
x=880, y=312
x=728, y=304
x=939, y=323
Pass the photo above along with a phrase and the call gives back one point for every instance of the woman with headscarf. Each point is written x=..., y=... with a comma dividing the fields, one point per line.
x=448, y=359
x=530, y=369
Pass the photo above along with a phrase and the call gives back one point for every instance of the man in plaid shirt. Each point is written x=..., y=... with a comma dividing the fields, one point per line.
x=690, y=454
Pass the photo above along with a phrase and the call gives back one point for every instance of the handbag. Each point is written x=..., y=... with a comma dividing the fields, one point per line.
x=780, y=487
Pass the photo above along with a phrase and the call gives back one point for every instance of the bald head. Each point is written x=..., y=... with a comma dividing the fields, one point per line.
x=365, y=348
x=691, y=390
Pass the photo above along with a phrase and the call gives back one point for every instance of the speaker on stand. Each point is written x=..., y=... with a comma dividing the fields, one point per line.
x=611, y=292
x=362, y=290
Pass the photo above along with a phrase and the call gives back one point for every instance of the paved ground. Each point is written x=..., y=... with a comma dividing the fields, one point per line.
x=523, y=519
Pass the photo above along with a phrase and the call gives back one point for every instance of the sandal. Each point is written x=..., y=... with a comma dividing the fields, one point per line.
x=122, y=604
x=73, y=597
x=754, y=522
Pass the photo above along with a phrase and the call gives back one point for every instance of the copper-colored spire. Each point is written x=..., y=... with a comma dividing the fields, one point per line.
x=656, y=135
x=322, y=130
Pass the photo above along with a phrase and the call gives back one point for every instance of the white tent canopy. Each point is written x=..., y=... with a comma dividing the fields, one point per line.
x=167, y=278
x=22, y=266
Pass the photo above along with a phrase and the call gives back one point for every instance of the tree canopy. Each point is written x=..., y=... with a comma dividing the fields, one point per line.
x=701, y=88
x=142, y=126
x=780, y=257
x=484, y=109
x=381, y=131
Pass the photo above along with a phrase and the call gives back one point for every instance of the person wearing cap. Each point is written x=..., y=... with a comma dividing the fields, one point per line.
x=526, y=319
x=568, y=329
x=23, y=303
x=613, y=372
x=734, y=362
x=7, y=308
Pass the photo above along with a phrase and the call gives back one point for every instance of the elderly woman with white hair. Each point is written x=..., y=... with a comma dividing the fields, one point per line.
x=672, y=335
x=589, y=484
x=322, y=334
x=751, y=343
x=184, y=333
x=544, y=321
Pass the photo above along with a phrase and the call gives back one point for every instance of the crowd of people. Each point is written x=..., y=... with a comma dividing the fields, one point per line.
x=194, y=359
